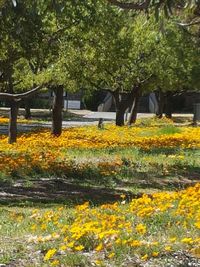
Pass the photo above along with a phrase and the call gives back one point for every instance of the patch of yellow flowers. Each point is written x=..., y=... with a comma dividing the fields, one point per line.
x=149, y=226
x=4, y=120
x=41, y=150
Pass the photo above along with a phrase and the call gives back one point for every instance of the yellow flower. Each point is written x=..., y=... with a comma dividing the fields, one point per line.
x=111, y=255
x=63, y=247
x=155, y=254
x=83, y=206
x=187, y=240
x=50, y=253
x=55, y=236
x=145, y=257
x=99, y=247
x=66, y=239
x=33, y=227
x=141, y=229
x=197, y=224
x=55, y=263
x=98, y=262
x=135, y=243
x=43, y=227
x=70, y=245
x=79, y=248
x=168, y=248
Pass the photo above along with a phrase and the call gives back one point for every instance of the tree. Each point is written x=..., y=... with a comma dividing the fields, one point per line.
x=32, y=35
x=123, y=51
x=108, y=58
x=19, y=31
x=87, y=45
x=14, y=100
x=180, y=66
x=166, y=5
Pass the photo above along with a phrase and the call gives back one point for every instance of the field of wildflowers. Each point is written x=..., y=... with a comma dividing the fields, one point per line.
x=146, y=229
x=149, y=226
x=38, y=152
x=143, y=229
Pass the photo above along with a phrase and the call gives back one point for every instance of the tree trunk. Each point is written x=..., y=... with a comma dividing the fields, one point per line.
x=12, y=129
x=57, y=111
x=168, y=107
x=161, y=101
x=120, y=112
x=123, y=102
x=121, y=106
x=134, y=109
x=27, y=109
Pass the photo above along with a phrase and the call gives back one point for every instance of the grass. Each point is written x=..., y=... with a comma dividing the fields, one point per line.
x=117, y=224
x=158, y=166
x=127, y=168
x=150, y=228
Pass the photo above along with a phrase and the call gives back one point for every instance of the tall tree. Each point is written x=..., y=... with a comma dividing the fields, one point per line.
x=32, y=34
x=122, y=51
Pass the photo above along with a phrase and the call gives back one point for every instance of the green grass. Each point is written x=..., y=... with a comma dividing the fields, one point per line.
x=127, y=168
x=164, y=130
x=139, y=164
x=106, y=174
x=170, y=129
x=16, y=230
x=139, y=172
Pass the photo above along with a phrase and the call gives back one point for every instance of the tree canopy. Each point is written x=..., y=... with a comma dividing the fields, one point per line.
x=95, y=44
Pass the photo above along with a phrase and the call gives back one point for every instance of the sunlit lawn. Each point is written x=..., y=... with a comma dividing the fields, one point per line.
x=147, y=217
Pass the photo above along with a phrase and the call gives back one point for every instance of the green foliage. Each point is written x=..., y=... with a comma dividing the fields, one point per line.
x=123, y=50
x=93, y=45
x=33, y=34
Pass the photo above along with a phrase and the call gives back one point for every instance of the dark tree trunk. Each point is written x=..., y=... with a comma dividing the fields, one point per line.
x=123, y=102
x=168, y=107
x=121, y=106
x=12, y=129
x=134, y=109
x=27, y=109
x=120, y=112
x=161, y=102
x=57, y=111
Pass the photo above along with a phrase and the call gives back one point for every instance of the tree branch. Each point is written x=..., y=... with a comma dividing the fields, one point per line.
x=137, y=6
x=189, y=24
x=17, y=97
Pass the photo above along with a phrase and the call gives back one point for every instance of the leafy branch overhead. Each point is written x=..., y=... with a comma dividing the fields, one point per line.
x=166, y=6
x=130, y=5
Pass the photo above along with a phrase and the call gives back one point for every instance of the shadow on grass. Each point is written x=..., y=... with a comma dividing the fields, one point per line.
x=174, y=178
x=57, y=191
x=165, y=184
x=71, y=191
x=89, y=184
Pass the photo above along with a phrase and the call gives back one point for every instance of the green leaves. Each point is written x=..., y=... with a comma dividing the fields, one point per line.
x=90, y=44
